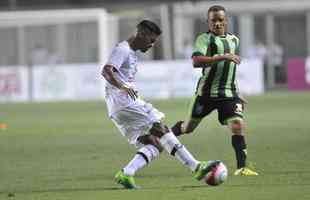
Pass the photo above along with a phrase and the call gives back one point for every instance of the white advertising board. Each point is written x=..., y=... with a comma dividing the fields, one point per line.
x=250, y=77
x=14, y=84
x=67, y=82
x=164, y=79
x=155, y=79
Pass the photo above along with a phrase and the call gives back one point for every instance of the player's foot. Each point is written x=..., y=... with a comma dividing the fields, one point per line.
x=245, y=172
x=204, y=168
x=127, y=181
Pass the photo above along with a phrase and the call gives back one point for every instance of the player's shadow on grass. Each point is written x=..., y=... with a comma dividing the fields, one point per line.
x=61, y=190
x=180, y=188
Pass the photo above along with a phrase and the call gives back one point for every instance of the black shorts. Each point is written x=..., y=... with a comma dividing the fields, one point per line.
x=226, y=108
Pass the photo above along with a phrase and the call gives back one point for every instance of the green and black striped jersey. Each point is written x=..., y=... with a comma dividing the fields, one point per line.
x=219, y=79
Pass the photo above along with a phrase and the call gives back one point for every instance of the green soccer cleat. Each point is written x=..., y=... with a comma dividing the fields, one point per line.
x=127, y=181
x=245, y=172
x=204, y=168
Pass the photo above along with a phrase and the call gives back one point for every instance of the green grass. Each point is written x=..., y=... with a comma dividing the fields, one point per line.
x=71, y=150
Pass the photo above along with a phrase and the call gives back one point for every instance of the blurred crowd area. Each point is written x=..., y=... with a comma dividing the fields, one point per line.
x=273, y=31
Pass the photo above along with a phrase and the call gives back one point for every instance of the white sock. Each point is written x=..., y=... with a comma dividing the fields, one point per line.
x=173, y=146
x=136, y=163
x=145, y=155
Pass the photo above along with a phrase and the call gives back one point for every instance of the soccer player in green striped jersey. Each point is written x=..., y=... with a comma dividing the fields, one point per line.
x=217, y=53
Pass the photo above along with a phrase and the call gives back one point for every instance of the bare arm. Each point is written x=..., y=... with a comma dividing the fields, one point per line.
x=108, y=72
x=203, y=61
x=109, y=75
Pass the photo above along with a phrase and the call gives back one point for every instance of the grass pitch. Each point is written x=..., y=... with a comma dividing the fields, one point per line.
x=71, y=150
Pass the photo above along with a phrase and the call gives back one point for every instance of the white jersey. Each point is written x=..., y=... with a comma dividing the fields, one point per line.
x=132, y=117
x=124, y=59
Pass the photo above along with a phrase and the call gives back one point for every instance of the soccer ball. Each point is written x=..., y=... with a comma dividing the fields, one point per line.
x=217, y=175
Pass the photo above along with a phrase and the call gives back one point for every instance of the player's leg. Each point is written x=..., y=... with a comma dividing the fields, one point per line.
x=173, y=146
x=133, y=123
x=150, y=150
x=198, y=109
x=236, y=126
x=231, y=114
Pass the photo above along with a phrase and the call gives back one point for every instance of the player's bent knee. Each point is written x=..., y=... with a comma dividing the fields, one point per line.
x=152, y=140
x=236, y=126
x=159, y=129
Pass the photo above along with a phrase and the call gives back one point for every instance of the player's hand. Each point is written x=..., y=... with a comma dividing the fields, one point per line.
x=234, y=58
x=130, y=91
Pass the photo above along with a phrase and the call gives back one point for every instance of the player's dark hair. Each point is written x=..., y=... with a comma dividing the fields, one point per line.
x=151, y=26
x=216, y=8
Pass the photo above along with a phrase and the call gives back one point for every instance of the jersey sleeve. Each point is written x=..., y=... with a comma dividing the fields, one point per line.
x=118, y=56
x=237, y=51
x=201, y=45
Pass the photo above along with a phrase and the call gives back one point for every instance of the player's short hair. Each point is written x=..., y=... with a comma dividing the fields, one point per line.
x=216, y=8
x=149, y=25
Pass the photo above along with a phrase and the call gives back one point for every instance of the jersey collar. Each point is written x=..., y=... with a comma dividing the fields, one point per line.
x=221, y=36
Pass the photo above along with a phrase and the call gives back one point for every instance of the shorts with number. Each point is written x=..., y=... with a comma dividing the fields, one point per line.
x=136, y=120
x=226, y=108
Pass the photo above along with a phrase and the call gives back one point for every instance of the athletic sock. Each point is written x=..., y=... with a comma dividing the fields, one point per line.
x=238, y=143
x=145, y=155
x=173, y=146
x=177, y=128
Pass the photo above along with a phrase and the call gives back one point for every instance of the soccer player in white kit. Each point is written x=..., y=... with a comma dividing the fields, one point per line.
x=136, y=119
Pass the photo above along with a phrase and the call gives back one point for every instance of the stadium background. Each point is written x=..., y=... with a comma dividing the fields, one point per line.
x=56, y=141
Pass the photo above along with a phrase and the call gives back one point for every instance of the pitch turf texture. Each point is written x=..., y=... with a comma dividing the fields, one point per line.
x=67, y=150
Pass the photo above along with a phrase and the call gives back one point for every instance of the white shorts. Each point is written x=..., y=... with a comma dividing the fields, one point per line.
x=136, y=120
